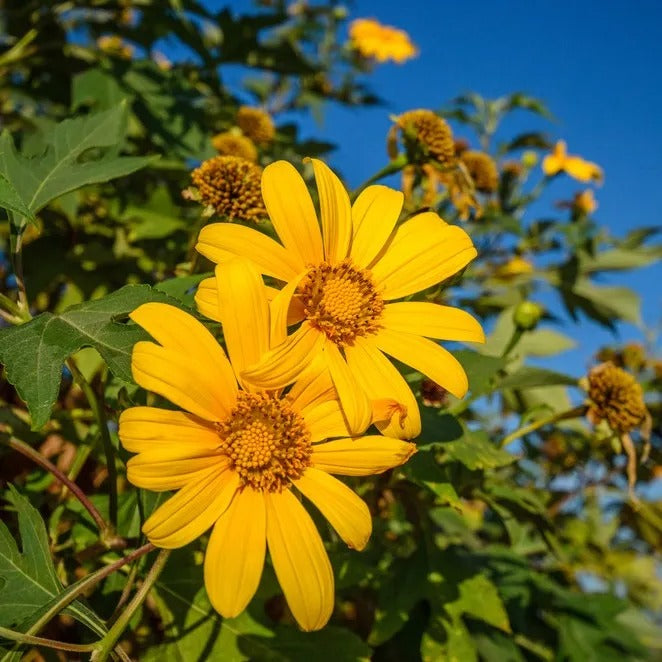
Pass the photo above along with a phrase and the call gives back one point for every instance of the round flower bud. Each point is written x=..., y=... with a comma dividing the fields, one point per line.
x=527, y=314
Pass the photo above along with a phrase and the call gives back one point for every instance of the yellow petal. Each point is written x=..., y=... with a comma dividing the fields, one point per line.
x=583, y=171
x=425, y=356
x=198, y=388
x=335, y=213
x=285, y=310
x=300, y=560
x=381, y=380
x=374, y=214
x=171, y=468
x=353, y=398
x=192, y=510
x=243, y=300
x=313, y=386
x=361, y=457
x=346, y=512
x=178, y=331
x=325, y=420
x=283, y=364
x=148, y=428
x=552, y=164
x=292, y=212
x=206, y=299
x=222, y=241
x=423, y=251
x=432, y=320
x=235, y=554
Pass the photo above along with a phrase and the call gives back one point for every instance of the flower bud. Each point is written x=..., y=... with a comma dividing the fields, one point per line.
x=527, y=315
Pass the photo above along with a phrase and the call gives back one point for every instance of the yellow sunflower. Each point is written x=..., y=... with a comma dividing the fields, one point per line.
x=575, y=166
x=382, y=42
x=236, y=454
x=340, y=285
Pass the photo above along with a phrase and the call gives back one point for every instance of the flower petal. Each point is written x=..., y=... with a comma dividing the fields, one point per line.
x=235, y=554
x=283, y=364
x=335, y=213
x=222, y=241
x=285, y=309
x=423, y=251
x=180, y=332
x=206, y=299
x=243, y=300
x=300, y=560
x=192, y=510
x=147, y=428
x=432, y=320
x=313, y=386
x=171, y=468
x=325, y=420
x=347, y=513
x=374, y=214
x=361, y=457
x=425, y=356
x=353, y=398
x=194, y=387
x=381, y=380
x=292, y=212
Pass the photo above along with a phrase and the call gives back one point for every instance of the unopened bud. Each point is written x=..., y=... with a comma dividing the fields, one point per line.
x=527, y=315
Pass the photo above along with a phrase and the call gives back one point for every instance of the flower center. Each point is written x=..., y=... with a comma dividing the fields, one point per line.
x=342, y=301
x=267, y=442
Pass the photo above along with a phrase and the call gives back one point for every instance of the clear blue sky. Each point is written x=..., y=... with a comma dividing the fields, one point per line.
x=596, y=64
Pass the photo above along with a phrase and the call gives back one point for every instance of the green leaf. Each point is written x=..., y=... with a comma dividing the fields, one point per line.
x=481, y=369
x=28, y=579
x=33, y=353
x=530, y=376
x=476, y=451
x=96, y=88
x=10, y=199
x=79, y=151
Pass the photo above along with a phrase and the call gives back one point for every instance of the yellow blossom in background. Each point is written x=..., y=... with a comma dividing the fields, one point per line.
x=115, y=45
x=230, y=186
x=585, y=202
x=616, y=397
x=517, y=266
x=381, y=42
x=574, y=166
x=162, y=62
x=229, y=143
x=340, y=284
x=423, y=131
x=482, y=170
x=256, y=124
x=238, y=457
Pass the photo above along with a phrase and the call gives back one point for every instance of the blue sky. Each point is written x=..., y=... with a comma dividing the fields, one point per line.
x=595, y=64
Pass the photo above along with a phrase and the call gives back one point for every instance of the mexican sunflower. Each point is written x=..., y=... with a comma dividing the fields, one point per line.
x=574, y=166
x=382, y=42
x=237, y=454
x=340, y=287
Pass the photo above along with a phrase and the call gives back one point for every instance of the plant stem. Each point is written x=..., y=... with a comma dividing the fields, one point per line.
x=107, y=644
x=17, y=262
x=570, y=413
x=396, y=165
x=102, y=423
x=40, y=641
x=513, y=342
x=38, y=458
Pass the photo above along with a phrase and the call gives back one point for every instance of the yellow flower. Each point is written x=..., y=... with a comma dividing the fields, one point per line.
x=382, y=42
x=231, y=186
x=482, y=170
x=560, y=161
x=115, y=45
x=516, y=266
x=585, y=202
x=236, y=454
x=340, y=284
x=616, y=396
x=228, y=143
x=256, y=124
x=423, y=131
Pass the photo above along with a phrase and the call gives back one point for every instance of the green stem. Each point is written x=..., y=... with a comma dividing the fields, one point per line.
x=396, y=165
x=40, y=641
x=9, y=305
x=82, y=586
x=106, y=645
x=512, y=343
x=38, y=458
x=17, y=263
x=564, y=415
x=102, y=423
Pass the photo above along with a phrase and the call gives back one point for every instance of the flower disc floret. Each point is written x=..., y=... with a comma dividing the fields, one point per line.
x=428, y=132
x=616, y=396
x=228, y=143
x=341, y=301
x=231, y=186
x=256, y=124
x=268, y=443
x=482, y=170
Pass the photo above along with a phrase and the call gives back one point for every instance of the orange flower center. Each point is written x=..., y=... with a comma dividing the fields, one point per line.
x=267, y=442
x=341, y=301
